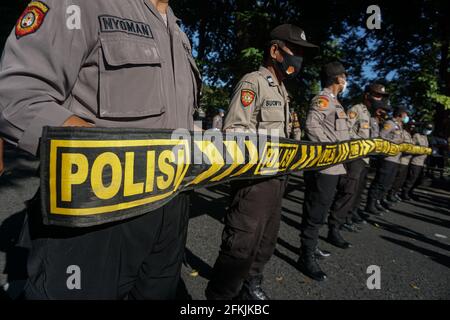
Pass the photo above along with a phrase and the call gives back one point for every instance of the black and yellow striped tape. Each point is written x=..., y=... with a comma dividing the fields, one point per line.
x=91, y=176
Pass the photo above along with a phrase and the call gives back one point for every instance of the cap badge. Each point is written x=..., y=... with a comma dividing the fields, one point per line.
x=303, y=36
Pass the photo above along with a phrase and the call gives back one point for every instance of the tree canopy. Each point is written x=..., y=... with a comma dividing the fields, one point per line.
x=410, y=51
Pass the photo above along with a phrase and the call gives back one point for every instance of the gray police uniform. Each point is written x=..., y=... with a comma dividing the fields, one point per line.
x=416, y=165
x=392, y=131
x=387, y=170
x=259, y=104
x=406, y=158
x=374, y=128
x=266, y=109
x=402, y=170
x=420, y=140
x=326, y=122
x=351, y=185
x=116, y=64
x=123, y=67
x=360, y=121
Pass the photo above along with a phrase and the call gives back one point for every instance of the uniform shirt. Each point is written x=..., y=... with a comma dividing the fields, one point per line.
x=217, y=122
x=374, y=128
x=359, y=119
x=360, y=123
x=121, y=67
x=259, y=104
x=392, y=131
x=420, y=140
x=406, y=158
x=327, y=122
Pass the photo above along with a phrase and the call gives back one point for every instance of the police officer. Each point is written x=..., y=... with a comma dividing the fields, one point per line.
x=217, y=122
x=387, y=170
x=259, y=104
x=417, y=162
x=326, y=122
x=402, y=171
x=362, y=126
x=109, y=63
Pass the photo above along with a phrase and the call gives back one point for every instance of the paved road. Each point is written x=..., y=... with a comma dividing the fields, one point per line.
x=410, y=244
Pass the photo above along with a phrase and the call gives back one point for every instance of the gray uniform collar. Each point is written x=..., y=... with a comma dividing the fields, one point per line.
x=328, y=91
x=271, y=79
x=171, y=18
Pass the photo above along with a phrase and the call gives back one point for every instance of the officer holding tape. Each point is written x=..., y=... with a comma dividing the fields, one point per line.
x=326, y=122
x=352, y=185
x=419, y=138
x=105, y=63
x=259, y=104
x=387, y=170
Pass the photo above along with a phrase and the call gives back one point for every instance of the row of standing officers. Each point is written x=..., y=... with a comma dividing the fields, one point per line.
x=129, y=64
x=260, y=103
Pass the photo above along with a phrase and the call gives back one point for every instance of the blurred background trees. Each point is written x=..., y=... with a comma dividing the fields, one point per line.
x=410, y=52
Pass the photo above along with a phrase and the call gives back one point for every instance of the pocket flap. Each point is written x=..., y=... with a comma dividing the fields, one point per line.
x=120, y=51
x=272, y=114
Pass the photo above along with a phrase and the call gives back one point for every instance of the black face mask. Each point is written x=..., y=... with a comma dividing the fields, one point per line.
x=291, y=65
x=377, y=104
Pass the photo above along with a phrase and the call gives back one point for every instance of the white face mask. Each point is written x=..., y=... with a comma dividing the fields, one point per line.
x=427, y=132
x=344, y=89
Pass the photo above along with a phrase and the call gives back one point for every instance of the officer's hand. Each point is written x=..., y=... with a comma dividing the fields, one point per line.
x=75, y=121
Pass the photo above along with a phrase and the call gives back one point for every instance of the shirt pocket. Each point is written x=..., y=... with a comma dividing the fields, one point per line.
x=271, y=114
x=341, y=120
x=130, y=79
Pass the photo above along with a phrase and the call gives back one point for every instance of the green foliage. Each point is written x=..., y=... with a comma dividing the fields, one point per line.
x=410, y=52
x=214, y=98
x=441, y=99
x=251, y=58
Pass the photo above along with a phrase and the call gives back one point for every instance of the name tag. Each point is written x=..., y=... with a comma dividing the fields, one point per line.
x=116, y=24
x=273, y=103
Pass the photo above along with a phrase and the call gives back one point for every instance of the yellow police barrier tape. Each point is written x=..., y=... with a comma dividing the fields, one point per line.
x=92, y=176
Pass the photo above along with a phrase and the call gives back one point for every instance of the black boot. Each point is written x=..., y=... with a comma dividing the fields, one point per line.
x=321, y=254
x=356, y=218
x=252, y=290
x=405, y=196
x=371, y=208
x=335, y=238
x=386, y=203
x=349, y=226
x=397, y=196
x=391, y=197
x=380, y=207
x=308, y=265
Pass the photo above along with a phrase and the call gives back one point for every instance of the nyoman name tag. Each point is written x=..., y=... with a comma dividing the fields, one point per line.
x=92, y=176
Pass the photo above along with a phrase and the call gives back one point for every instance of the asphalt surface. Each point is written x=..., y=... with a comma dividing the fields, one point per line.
x=410, y=244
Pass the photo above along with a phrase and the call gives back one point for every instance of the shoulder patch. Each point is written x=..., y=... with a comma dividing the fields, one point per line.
x=31, y=19
x=352, y=114
x=247, y=97
x=387, y=126
x=323, y=102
